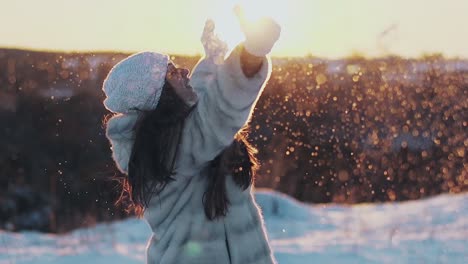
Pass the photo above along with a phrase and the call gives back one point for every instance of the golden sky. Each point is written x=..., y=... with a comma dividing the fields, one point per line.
x=327, y=28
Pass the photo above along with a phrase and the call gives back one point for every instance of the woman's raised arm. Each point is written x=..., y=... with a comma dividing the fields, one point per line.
x=228, y=92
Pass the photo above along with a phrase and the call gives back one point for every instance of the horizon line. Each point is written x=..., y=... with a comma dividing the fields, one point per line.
x=356, y=54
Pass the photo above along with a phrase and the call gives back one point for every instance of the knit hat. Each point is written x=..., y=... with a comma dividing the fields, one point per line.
x=135, y=83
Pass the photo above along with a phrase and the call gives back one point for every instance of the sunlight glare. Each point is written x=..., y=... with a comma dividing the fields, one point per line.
x=255, y=9
x=227, y=24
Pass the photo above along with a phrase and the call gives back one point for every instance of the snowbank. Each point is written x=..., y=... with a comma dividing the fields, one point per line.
x=425, y=231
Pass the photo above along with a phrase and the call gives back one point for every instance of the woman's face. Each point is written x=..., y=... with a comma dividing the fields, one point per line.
x=178, y=79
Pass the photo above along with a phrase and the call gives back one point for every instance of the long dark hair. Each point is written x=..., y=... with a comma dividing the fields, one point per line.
x=237, y=160
x=151, y=165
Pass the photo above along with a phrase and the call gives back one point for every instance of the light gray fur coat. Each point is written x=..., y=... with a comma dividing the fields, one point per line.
x=181, y=231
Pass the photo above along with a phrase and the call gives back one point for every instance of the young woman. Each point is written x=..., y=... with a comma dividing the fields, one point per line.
x=190, y=169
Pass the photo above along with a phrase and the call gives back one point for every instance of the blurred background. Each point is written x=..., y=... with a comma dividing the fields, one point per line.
x=367, y=101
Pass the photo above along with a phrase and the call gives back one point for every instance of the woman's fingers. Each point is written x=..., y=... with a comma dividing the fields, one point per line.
x=240, y=14
x=209, y=26
x=208, y=30
x=239, y=11
x=214, y=47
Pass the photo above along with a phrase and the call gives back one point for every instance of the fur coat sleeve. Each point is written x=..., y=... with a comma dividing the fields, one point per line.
x=226, y=100
x=120, y=133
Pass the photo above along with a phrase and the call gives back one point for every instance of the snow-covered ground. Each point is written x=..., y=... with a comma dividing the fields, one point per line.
x=425, y=231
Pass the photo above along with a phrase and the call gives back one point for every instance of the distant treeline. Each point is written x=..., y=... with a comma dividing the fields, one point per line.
x=347, y=131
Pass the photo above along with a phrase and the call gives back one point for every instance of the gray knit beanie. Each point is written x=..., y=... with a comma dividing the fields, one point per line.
x=135, y=83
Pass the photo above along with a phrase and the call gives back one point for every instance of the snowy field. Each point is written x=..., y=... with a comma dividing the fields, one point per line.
x=426, y=231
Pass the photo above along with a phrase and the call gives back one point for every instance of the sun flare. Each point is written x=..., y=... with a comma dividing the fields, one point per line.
x=255, y=9
x=227, y=24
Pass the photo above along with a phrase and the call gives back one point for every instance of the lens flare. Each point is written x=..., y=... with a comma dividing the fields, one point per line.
x=255, y=9
x=227, y=24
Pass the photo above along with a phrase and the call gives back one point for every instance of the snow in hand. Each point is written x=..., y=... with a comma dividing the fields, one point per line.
x=425, y=231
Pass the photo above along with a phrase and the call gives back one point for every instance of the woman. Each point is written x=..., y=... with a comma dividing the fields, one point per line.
x=179, y=140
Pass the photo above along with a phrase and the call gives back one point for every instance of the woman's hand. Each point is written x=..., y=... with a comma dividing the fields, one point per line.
x=215, y=48
x=260, y=35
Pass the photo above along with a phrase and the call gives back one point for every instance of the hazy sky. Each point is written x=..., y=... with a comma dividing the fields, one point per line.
x=330, y=28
